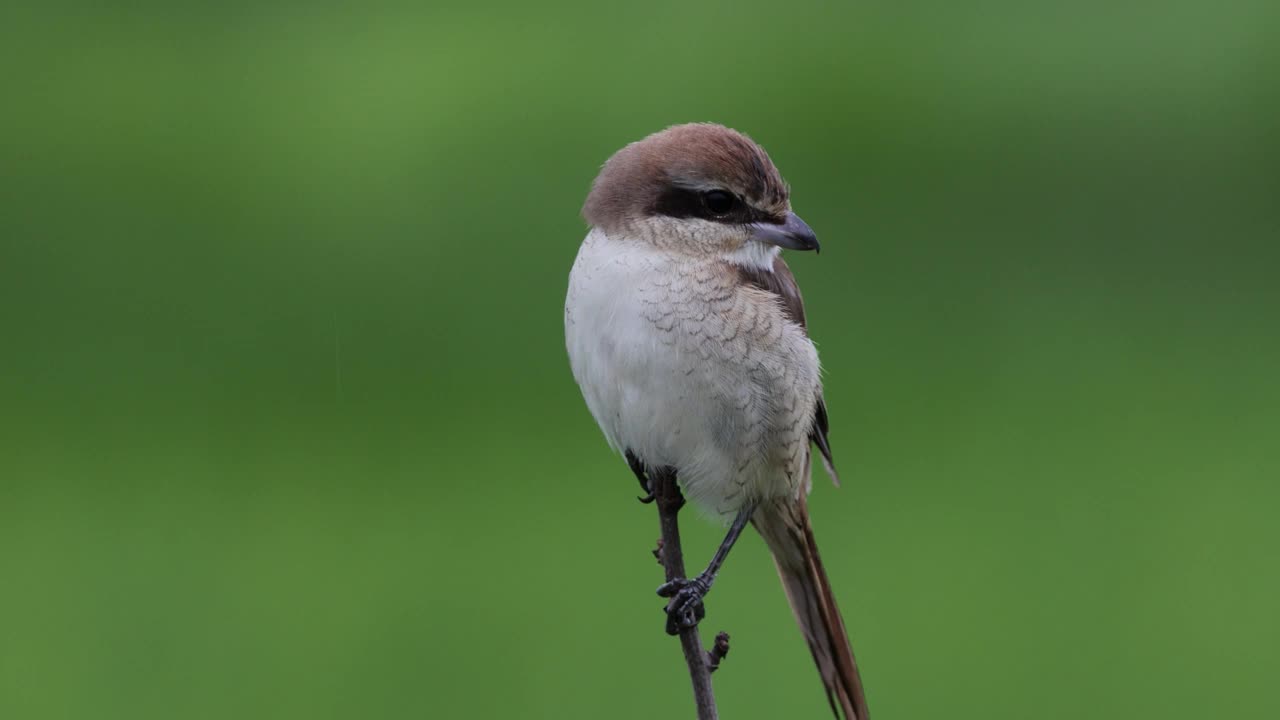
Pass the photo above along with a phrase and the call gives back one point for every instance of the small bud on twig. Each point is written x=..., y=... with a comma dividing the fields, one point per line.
x=718, y=651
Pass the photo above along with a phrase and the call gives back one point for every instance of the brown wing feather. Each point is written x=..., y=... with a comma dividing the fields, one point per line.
x=818, y=435
x=782, y=283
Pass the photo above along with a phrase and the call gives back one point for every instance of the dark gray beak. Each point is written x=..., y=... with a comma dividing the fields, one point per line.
x=793, y=234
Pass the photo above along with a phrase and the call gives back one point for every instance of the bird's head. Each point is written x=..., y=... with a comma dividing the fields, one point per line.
x=699, y=189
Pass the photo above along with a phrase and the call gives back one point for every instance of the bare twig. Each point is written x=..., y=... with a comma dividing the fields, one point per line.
x=670, y=500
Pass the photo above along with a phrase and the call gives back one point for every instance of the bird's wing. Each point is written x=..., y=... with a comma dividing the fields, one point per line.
x=782, y=284
x=818, y=436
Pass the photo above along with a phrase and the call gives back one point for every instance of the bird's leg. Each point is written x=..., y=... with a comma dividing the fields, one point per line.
x=637, y=467
x=685, y=608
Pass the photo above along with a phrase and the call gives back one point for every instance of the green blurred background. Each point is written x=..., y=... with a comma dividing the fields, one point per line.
x=287, y=427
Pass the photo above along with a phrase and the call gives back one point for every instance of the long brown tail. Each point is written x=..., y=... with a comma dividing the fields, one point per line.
x=784, y=523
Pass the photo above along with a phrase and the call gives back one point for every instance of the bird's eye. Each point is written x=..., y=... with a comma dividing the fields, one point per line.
x=719, y=202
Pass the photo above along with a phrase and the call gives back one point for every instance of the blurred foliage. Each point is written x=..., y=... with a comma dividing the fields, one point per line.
x=287, y=430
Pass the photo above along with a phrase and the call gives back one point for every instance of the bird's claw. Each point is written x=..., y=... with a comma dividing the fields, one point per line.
x=637, y=467
x=647, y=487
x=685, y=608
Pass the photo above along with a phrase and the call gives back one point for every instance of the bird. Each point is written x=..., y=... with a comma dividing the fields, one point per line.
x=686, y=334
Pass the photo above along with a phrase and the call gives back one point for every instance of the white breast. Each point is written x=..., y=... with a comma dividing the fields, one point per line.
x=684, y=366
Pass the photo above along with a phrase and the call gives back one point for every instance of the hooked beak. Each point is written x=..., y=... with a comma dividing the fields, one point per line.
x=793, y=234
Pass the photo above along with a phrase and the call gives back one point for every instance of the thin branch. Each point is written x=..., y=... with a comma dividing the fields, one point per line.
x=669, y=501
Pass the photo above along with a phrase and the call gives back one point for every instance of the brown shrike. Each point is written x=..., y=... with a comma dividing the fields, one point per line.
x=686, y=333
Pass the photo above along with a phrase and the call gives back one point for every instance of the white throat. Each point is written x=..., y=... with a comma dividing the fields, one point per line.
x=754, y=255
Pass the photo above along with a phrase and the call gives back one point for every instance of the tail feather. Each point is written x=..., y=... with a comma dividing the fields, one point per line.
x=784, y=523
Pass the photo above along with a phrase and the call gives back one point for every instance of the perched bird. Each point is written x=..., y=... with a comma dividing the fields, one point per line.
x=686, y=333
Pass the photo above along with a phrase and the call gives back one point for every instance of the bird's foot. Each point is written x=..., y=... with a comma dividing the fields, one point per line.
x=646, y=487
x=685, y=608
